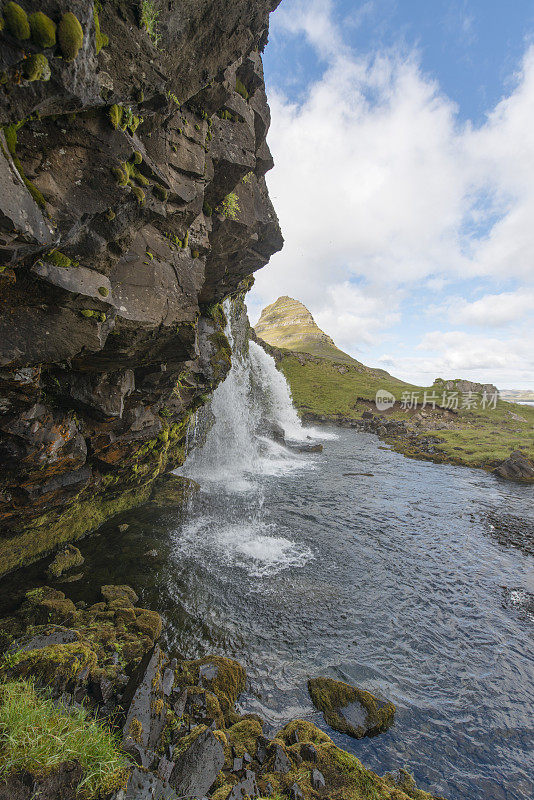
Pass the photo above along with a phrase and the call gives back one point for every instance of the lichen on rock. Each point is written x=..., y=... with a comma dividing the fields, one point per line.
x=349, y=709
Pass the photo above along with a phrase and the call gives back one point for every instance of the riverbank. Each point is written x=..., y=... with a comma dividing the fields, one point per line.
x=152, y=725
x=482, y=434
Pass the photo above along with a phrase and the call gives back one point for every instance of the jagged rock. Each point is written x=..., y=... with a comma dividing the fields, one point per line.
x=247, y=787
x=296, y=793
x=144, y=704
x=308, y=752
x=516, y=468
x=317, y=779
x=277, y=759
x=350, y=710
x=198, y=757
x=66, y=559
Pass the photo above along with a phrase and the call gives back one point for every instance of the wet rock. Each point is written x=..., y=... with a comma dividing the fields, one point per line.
x=144, y=785
x=516, y=468
x=199, y=757
x=261, y=749
x=350, y=710
x=123, y=596
x=173, y=491
x=66, y=559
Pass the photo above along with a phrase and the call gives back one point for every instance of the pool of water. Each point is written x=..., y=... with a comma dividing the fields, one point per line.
x=365, y=566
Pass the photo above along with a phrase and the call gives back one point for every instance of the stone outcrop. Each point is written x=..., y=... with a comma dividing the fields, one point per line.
x=518, y=467
x=176, y=719
x=132, y=201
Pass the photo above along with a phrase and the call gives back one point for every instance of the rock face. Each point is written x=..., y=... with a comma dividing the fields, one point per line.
x=132, y=201
x=288, y=324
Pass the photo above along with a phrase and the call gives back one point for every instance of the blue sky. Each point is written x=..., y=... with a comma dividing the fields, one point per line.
x=402, y=136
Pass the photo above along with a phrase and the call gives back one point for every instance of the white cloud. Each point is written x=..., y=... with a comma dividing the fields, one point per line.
x=492, y=310
x=376, y=181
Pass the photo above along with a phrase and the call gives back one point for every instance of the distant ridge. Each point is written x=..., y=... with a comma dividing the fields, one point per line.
x=288, y=324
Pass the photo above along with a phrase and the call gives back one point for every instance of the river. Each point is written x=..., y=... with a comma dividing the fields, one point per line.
x=355, y=563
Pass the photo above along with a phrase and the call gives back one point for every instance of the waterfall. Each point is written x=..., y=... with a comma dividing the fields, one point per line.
x=240, y=462
x=253, y=416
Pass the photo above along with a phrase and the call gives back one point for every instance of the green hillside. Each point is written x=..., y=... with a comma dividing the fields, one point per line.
x=327, y=383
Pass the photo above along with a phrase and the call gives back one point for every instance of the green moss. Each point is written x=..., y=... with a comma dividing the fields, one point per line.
x=102, y=290
x=110, y=214
x=244, y=735
x=66, y=559
x=137, y=158
x=43, y=29
x=2, y=26
x=241, y=89
x=207, y=209
x=51, y=530
x=160, y=192
x=139, y=195
x=58, y=259
x=17, y=21
x=121, y=175
x=331, y=696
x=195, y=254
x=229, y=207
x=115, y=115
x=185, y=240
x=57, y=665
x=101, y=40
x=10, y=133
x=90, y=313
x=70, y=36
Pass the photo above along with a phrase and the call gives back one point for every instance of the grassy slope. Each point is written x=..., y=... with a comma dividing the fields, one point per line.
x=480, y=438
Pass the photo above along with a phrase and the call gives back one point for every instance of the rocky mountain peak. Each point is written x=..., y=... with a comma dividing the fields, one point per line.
x=286, y=322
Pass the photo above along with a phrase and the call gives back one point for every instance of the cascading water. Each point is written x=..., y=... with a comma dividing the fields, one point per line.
x=253, y=416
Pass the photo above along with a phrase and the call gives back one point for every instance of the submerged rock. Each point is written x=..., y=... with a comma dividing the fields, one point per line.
x=350, y=710
x=66, y=559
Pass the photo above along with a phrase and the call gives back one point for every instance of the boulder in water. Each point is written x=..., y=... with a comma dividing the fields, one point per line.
x=66, y=559
x=350, y=710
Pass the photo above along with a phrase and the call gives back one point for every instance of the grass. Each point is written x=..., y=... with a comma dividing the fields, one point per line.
x=480, y=437
x=149, y=16
x=38, y=735
x=229, y=207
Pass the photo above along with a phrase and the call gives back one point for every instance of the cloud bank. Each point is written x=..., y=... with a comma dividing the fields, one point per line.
x=392, y=208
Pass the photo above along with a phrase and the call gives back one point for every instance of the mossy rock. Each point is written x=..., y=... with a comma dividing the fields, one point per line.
x=350, y=710
x=173, y=490
x=43, y=29
x=244, y=735
x=225, y=677
x=59, y=666
x=17, y=21
x=125, y=595
x=37, y=68
x=48, y=605
x=148, y=623
x=66, y=559
x=70, y=36
x=345, y=777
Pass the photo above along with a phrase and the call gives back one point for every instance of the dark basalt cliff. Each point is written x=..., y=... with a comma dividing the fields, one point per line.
x=132, y=201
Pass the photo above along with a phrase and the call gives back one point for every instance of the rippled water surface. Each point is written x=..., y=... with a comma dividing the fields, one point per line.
x=368, y=567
